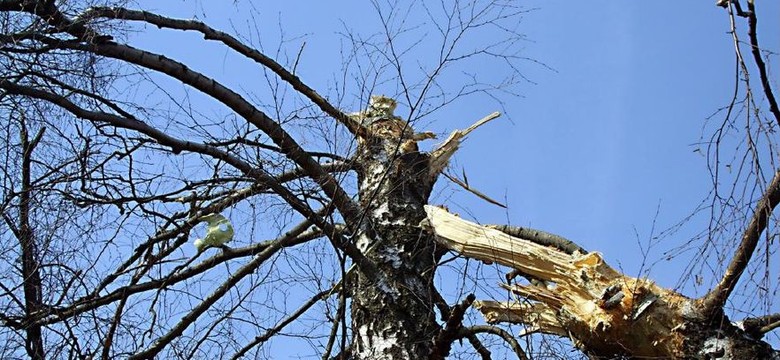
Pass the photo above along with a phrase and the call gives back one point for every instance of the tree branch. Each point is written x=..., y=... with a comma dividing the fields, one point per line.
x=210, y=33
x=30, y=271
x=216, y=207
x=204, y=305
x=219, y=92
x=259, y=174
x=762, y=71
x=339, y=319
x=472, y=190
x=714, y=300
x=759, y=326
x=541, y=237
x=91, y=301
x=445, y=310
x=443, y=342
x=440, y=156
x=279, y=326
x=488, y=329
x=235, y=102
x=48, y=11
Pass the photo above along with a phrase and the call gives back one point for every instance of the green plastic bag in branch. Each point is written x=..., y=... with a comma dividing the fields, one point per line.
x=219, y=231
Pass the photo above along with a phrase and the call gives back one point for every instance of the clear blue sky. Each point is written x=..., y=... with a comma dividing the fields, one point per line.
x=591, y=150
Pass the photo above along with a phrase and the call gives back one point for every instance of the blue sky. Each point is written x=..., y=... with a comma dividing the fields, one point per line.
x=602, y=140
x=610, y=133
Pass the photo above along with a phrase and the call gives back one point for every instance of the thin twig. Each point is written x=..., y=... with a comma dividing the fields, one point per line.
x=716, y=298
x=472, y=190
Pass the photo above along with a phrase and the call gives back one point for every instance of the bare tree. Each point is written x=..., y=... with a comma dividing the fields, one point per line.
x=119, y=163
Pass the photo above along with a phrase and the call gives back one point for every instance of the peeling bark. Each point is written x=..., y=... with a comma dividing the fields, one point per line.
x=603, y=312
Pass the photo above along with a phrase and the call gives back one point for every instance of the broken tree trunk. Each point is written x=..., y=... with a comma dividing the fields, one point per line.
x=579, y=296
x=392, y=318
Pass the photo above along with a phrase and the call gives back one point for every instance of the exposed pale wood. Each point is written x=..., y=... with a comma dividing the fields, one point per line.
x=572, y=301
x=441, y=155
x=536, y=316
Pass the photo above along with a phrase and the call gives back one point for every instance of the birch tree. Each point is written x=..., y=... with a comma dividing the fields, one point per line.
x=111, y=164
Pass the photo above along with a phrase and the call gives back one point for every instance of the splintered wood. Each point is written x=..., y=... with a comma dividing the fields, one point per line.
x=578, y=296
x=440, y=156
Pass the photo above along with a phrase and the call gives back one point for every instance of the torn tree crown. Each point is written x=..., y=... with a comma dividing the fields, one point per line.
x=379, y=120
x=379, y=107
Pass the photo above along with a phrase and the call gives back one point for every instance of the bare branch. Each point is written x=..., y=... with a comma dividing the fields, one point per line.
x=31, y=272
x=338, y=320
x=286, y=321
x=200, y=308
x=441, y=155
x=212, y=34
x=714, y=300
x=755, y=49
x=48, y=11
x=219, y=92
x=503, y=334
x=541, y=237
x=472, y=190
x=759, y=326
x=445, y=311
x=261, y=175
x=442, y=344
x=237, y=103
x=93, y=301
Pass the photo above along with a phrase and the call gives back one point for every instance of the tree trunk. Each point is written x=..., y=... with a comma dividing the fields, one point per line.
x=30, y=268
x=393, y=318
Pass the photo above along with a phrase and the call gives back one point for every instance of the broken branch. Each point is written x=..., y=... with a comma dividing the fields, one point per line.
x=577, y=301
x=441, y=155
x=541, y=237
